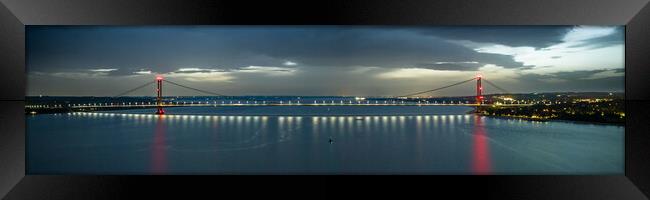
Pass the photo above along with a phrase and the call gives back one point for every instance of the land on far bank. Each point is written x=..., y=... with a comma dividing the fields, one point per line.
x=606, y=111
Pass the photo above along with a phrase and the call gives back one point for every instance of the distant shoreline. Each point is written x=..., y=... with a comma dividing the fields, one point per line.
x=553, y=120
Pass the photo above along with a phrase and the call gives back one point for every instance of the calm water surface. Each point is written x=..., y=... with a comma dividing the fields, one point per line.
x=295, y=140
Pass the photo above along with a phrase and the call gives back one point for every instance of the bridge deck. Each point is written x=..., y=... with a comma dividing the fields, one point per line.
x=270, y=104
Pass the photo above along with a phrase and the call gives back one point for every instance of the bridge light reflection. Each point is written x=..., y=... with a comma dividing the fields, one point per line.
x=480, y=155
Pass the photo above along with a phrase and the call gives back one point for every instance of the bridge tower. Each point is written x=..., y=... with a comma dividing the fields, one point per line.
x=159, y=80
x=479, y=90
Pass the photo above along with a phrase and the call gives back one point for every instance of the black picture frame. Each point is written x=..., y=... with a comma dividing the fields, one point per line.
x=15, y=14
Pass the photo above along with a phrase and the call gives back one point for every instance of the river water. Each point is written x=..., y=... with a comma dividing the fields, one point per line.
x=316, y=140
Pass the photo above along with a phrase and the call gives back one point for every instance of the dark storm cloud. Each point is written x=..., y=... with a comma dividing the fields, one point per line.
x=451, y=66
x=167, y=49
x=562, y=82
x=575, y=75
x=570, y=75
x=532, y=36
x=375, y=47
x=160, y=49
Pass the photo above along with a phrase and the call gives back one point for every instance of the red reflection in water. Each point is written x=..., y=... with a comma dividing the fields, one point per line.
x=481, y=151
x=159, y=157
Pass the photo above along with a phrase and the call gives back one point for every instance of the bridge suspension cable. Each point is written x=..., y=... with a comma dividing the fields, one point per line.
x=440, y=88
x=218, y=94
x=191, y=88
x=497, y=87
x=134, y=89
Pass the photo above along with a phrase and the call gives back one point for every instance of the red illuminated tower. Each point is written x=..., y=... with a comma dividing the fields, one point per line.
x=479, y=90
x=159, y=80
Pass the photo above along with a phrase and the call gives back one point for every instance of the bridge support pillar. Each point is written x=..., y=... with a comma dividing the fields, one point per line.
x=479, y=94
x=160, y=110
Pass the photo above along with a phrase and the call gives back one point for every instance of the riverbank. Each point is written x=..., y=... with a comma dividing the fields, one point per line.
x=551, y=120
x=603, y=112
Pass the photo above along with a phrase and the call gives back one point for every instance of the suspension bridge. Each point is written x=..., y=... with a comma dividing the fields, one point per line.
x=160, y=101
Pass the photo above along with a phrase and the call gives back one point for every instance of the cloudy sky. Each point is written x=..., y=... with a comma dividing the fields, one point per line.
x=323, y=60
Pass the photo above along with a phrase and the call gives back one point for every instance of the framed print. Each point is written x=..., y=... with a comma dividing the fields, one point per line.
x=105, y=96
